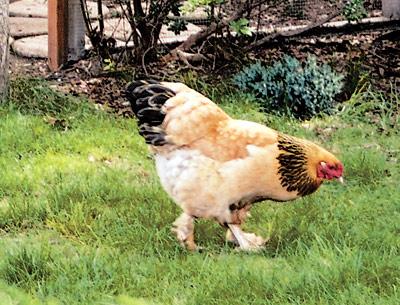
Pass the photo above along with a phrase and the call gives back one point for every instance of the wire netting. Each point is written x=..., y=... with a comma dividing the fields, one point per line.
x=277, y=14
x=270, y=16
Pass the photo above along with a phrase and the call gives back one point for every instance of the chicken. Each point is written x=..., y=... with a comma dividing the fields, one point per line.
x=216, y=167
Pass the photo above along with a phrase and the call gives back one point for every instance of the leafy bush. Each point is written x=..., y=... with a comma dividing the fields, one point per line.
x=292, y=88
x=241, y=27
x=354, y=10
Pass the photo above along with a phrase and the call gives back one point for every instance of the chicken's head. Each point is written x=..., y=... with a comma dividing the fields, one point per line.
x=330, y=171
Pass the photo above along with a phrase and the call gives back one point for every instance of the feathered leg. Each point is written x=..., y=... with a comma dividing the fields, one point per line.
x=184, y=230
x=246, y=241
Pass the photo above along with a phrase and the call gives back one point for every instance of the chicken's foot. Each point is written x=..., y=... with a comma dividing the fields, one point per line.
x=246, y=241
x=183, y=227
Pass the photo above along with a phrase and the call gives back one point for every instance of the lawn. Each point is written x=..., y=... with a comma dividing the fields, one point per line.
x=83, y=218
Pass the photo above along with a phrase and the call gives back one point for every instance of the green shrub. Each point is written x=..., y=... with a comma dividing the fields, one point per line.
x=292, y=88
x=354, y=10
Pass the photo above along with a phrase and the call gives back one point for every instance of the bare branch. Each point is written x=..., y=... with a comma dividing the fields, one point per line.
x=292, y=33
x=100, y=16
x=88, y=25
x=214, y=27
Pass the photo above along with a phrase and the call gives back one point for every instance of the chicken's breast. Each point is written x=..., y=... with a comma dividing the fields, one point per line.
x=207, y=188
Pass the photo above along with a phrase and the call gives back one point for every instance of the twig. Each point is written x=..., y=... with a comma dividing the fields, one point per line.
x=125, y=48
x=88, y=25
x=143, y=61
x=376, y=55
x=394, y=35
x=100, y=17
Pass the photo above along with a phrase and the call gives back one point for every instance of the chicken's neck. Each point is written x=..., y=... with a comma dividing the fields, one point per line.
x=294, y=166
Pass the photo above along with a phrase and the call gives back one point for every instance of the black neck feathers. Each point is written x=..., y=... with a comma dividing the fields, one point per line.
x=293, y=163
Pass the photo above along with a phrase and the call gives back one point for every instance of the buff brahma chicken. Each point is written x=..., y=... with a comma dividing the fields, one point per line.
x=216, y=167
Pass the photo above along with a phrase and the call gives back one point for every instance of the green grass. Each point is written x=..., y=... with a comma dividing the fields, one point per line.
x=83, y=219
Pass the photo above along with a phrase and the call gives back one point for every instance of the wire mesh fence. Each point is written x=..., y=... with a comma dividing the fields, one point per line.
x=278, y=13
x=268, y=16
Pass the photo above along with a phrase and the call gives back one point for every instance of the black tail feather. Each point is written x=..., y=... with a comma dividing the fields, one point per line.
x=146, y=99
x=153, y=135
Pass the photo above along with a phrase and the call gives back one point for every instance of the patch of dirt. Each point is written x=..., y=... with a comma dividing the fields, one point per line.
x=21, y=66
x=361, y=57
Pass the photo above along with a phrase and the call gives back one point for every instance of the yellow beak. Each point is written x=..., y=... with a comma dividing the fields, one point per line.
x=340, y=179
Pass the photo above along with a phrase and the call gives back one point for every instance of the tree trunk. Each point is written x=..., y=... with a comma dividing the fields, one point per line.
x=4, y=32
x=391, y=9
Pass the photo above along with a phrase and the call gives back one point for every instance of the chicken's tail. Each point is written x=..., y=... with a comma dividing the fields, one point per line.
x=146, y=99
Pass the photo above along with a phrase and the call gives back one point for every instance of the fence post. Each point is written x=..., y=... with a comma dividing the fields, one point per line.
x=76, y=30
x=66, y=32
